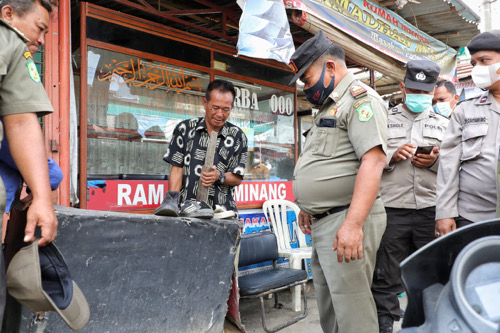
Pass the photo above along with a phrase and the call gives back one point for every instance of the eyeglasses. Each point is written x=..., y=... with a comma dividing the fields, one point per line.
x=216, y=108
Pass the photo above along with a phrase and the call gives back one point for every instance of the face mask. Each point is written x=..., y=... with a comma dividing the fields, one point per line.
x=443, y=108
x=418, y=102
x=485, y=76
x=318, y=93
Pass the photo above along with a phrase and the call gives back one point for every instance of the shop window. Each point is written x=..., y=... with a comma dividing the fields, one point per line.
x=266, y=115
x=132, y=108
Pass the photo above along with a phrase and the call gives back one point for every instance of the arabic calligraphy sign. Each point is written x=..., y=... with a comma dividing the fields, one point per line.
x=139, y=73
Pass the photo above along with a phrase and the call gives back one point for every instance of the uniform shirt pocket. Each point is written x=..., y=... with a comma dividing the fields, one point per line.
x=472, y=141
x=432, y=136
x=325, y=137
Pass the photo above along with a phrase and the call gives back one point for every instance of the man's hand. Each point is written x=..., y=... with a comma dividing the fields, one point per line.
x=305, y=221
x=425, y=160
x=445, y=226
x=403, y=152
x=41, y=213
x=209, y=177
x=348, y=242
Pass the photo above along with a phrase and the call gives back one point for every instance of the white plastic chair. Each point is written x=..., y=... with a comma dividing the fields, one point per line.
x=276, y=215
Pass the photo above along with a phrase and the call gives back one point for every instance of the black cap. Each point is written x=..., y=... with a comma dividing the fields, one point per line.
x=421, y=75
x=489, y=40
x=309, y=51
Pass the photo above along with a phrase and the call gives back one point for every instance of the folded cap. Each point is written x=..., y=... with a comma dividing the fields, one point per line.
x=421, y=75
x=39, y=279
x=309, y=51
x=489, y=41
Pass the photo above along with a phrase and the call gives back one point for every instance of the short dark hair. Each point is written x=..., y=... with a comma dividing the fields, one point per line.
x=334, y=51
x=21, y=7
x=450, y=87
x=222, y=86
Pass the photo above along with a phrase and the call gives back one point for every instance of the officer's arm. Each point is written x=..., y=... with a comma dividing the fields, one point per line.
x=27, y=147
x=447, y=183
x=349, y=239
x=175, y=178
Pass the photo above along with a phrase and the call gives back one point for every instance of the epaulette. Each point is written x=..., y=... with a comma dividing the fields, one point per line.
x=394, y=110
x=10, y=27
x=469, y=99
x=357, y=91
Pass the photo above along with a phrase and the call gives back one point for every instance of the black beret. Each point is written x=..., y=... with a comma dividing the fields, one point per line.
x=309, y=51
x=489, y=40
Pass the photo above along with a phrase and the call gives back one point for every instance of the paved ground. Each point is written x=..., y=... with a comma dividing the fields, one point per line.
x=251, y=317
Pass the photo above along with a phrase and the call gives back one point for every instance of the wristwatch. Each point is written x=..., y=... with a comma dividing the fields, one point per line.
x=222, y=178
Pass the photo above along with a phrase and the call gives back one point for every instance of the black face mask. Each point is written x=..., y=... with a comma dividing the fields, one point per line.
x=318, y=93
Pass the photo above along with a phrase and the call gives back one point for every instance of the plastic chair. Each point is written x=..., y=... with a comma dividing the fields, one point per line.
x=276, y=215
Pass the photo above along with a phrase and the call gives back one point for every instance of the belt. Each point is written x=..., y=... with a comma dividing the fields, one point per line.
x=330, y=212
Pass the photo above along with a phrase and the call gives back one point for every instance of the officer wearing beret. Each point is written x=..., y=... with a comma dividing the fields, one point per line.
x=22, y=100
x=336, y=182
x=467, y=174
x=408, y=186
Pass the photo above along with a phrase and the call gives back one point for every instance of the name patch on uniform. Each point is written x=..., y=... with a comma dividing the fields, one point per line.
x=433, y=127
x=27, y=55
x=327, y=122
x=365, y=112
x=475, y=120
x=394, y=125
x=33, y=71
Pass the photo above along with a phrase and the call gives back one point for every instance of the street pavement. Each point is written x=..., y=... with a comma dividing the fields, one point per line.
x=251, y=314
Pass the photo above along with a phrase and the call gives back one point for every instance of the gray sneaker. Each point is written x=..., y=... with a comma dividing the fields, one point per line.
x=192, y=208
x=170, y=204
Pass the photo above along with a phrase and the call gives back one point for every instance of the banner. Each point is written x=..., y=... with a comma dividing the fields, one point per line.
x=143, y=194
x=380, y=28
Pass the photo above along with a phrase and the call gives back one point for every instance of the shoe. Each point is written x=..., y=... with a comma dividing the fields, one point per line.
x=385, y=324
x=220, y=212
x=193, y=208
x=170, y=204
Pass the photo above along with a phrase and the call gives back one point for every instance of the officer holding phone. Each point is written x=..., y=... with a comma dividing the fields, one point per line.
x=408, y=186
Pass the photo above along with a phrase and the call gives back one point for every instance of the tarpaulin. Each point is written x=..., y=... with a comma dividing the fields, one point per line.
x=147, y=273
x=264, y=31
x=379, y=28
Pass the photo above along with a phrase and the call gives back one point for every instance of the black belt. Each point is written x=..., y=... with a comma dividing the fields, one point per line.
x=330, y=212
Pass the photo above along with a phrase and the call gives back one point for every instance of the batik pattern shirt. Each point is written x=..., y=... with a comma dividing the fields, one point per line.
x=188, y=148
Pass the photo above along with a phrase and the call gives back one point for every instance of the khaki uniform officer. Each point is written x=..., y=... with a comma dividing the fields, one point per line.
x=467, y=174
x=21, y=92
x=336, y=182
x=408, y=186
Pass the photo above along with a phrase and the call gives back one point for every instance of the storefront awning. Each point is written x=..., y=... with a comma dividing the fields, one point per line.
x=377, y=37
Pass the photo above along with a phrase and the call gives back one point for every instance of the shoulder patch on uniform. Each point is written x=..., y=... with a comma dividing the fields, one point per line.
x=357, y=91
x=27, y=55
x=33, y=72
x=365, y=111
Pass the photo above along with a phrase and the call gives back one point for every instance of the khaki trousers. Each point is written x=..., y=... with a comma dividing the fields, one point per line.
x=344, y=298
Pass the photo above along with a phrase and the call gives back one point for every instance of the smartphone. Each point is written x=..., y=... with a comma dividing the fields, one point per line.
x=424, y=150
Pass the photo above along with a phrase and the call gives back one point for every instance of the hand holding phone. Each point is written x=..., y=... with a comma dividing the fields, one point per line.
x=424, y=150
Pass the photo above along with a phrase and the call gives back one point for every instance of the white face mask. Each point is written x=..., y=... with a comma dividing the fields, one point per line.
x=485, y=76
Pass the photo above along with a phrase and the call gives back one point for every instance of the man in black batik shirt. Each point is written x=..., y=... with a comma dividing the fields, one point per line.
x=187, y=150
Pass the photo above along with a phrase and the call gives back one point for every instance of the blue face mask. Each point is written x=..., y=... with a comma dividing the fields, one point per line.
x=318, y=93
x=418, y=102
x=443, y=108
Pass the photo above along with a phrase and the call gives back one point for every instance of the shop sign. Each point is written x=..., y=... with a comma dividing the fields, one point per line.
x=380, y=28
x=140, y=73
x=246, y=99
x=134, y=194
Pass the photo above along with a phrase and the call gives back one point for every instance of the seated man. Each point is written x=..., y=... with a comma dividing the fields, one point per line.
x=187, y=152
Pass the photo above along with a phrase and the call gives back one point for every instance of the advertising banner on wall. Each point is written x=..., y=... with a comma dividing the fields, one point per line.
x=380, y=28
